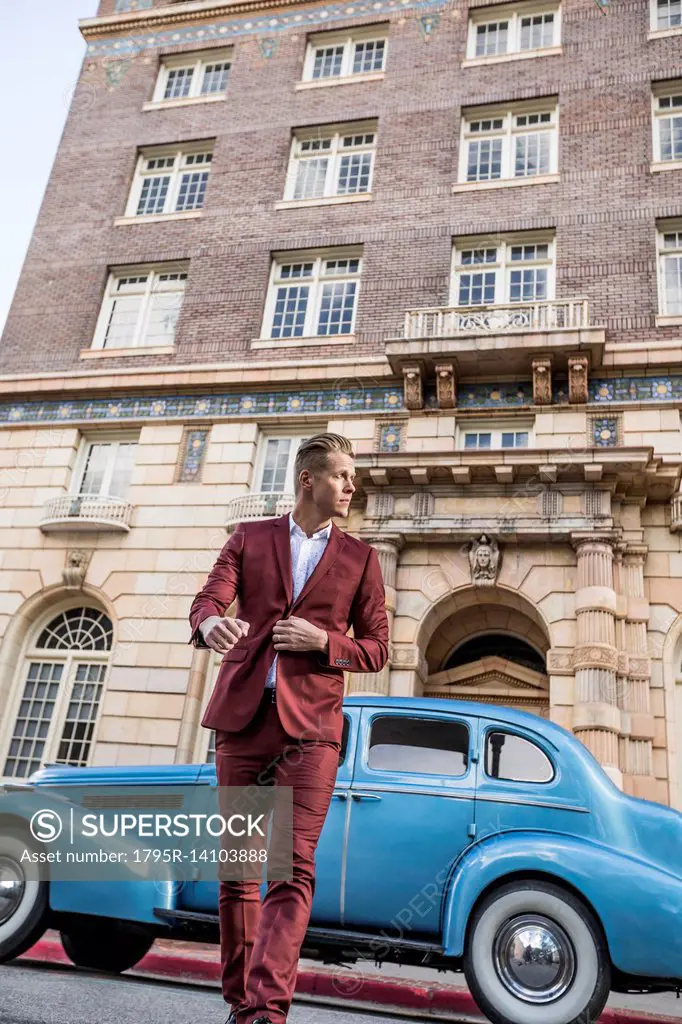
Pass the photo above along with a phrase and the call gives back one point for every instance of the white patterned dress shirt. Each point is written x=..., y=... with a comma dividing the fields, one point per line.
x=305, y=554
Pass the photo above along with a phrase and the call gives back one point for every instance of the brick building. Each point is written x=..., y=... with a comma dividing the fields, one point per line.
x=450, y=231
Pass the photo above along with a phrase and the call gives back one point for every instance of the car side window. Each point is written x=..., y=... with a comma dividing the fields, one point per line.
x=512, y=758
x=344, y=740
x=430, y=746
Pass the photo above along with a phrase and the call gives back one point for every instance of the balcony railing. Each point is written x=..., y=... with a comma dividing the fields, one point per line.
x=86, y=512
x=258, y=505
x=676, y=513
x=449, y=321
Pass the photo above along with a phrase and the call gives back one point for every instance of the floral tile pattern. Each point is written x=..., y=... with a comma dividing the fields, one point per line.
x=192, y=455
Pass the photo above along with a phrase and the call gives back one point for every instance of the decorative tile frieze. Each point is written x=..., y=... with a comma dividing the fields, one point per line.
x=263, y=403
x=389, y=435
x=490, y=396
x=191, y=456
x=123, y=6
x=270, y=23
x=636, y=389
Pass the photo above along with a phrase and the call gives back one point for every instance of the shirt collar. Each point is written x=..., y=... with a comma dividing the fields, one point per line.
x=318, y=535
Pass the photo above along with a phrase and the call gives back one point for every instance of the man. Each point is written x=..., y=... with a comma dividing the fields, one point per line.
x=300, y=583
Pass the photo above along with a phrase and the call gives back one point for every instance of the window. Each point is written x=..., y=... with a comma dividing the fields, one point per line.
x=515, y=759
x=337, y=55
x=313, y=296
x=331, y=163
x=275, y=464
x=503, y=272
x=106, y=468
x=141, y=307
x=670, y=269
x=489, y=436
x=193, y=76
x=170, y=181
x=429, y=746
x=513, y=30
x=666, y=14
x=62, y=679
x=502, y=145
x=668, y=123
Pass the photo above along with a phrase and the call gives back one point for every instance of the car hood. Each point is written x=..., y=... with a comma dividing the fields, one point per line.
x=124, y=775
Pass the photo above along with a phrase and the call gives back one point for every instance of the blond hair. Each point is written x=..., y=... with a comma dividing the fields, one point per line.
x=312, y=453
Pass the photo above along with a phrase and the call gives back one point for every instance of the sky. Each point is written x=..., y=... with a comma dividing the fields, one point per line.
x=41, y=51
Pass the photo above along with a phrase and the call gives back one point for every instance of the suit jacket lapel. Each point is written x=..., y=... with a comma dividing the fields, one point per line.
x=282, y=541
x=333, y=549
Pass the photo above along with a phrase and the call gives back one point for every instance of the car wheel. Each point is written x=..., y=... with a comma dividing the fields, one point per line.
x=106, y=945
x=23, y=897
x=535, y=955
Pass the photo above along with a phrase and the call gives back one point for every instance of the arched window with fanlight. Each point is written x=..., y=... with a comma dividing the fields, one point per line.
x=60, y=692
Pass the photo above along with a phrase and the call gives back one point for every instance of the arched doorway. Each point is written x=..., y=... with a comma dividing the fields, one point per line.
x=491, y=652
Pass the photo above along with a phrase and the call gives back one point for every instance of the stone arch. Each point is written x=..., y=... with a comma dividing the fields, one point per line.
x=26, y=623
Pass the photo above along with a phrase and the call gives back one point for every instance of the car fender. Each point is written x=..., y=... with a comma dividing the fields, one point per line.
x=638, y=904
x=127, y=899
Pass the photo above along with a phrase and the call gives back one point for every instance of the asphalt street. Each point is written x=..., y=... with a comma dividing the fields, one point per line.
x=62, y=995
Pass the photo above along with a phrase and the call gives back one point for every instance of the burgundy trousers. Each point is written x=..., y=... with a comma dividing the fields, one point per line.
x=260, y=940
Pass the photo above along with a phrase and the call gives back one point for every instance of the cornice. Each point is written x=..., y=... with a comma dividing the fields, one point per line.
x=157, y=17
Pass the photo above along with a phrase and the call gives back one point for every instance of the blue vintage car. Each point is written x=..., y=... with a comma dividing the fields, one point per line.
x=460, y=835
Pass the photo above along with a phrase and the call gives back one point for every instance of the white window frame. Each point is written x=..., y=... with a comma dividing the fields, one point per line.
x=261, y=453
x=496, y=428
x=312, y=314
x=664, y=91
x=508, y=132
x=179, y=154
x=334, y=134
x=513, y=14
x=664, y=228
x=66, y=657
x=348, y=39
x=198, y=61
x=503, y=264
x=154, y=272
x=115, y=440
x=661, y=29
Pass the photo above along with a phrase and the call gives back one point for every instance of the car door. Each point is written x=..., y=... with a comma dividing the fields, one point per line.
x=410, y=816
x=203, y=895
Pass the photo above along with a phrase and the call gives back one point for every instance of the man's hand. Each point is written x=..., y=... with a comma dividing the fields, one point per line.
x=295, y=634
x=222, y=634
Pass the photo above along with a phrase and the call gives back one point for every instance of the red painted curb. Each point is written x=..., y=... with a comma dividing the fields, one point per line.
x=429, y=999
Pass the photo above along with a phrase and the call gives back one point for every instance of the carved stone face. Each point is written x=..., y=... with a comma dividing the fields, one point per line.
x=483, y=557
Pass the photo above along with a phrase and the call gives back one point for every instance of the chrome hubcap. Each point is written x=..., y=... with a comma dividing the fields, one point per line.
x=534, y=958
x=12, y=887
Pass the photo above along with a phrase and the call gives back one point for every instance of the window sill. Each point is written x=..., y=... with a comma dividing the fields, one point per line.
x=666, y=165
x=296, y=204
x=322, y=83
x=664, y=33
x=184, y=101
x=668, y=321
x=502, y=58
x=325, y=339
x=479, y=186
x=157, y=218
x=116, y=353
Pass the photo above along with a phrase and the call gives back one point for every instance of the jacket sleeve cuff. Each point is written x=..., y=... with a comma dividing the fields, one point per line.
x=197, y=639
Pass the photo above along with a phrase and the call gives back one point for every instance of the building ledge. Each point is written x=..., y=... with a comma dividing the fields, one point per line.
x=666, y=165
x=121, y=353
x=157, y=218
x=184, y=101
x=299, y=204
x=323, y=339
x=323, y=83
x=504, y=58
x=482, y=186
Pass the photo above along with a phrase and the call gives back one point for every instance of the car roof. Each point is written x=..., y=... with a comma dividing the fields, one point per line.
x=477, y=709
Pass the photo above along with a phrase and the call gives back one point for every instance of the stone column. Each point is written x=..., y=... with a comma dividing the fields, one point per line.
x=597, y=716
x=638, y=728
x=387, y=547
x=191, y=712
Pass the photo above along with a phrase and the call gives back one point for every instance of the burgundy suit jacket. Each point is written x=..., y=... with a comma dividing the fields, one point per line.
x=345, y=589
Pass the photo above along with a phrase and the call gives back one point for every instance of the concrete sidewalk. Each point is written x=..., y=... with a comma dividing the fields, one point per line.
x=414, y=991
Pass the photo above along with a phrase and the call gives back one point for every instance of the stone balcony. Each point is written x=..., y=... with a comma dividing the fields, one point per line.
x=258, y=505
x=485, y=340
x=86, y=512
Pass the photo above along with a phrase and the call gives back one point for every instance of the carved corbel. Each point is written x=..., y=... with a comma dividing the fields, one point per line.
x=413, y=385
x=445, y=385
x=542, y=381
x=577, y=379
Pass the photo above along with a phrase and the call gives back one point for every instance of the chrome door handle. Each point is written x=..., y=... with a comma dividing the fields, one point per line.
x=340, y=795
x=365, y=796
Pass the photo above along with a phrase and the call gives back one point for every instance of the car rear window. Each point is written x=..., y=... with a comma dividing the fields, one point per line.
x=430, y=746
x=513, y=758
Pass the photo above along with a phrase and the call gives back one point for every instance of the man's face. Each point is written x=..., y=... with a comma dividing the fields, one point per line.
x=333, y=487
